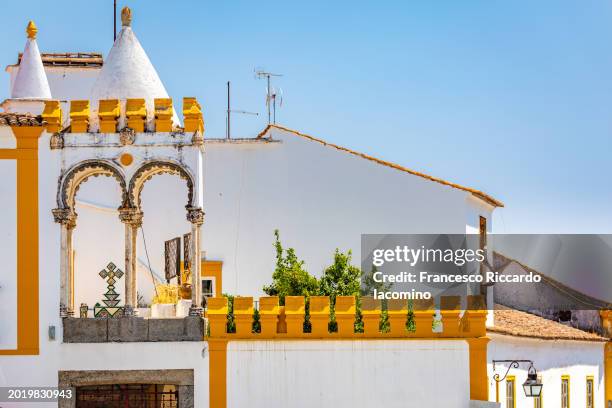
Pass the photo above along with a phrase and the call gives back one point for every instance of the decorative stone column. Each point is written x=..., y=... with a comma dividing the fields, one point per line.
x=67, y=219
x=132, y=218
x=195, y=216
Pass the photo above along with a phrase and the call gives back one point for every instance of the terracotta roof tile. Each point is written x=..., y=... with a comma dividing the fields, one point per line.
x=521, y=324
x=20, y=119
x=70, y=59
x=477, y=193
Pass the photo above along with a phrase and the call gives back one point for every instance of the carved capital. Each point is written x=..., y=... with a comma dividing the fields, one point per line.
x=195, y=215
x=56, y=141
x=64, y=216
x=131, y=215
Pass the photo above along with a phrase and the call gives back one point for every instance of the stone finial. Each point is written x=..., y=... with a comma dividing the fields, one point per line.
x=31, y=30
x=126, y=17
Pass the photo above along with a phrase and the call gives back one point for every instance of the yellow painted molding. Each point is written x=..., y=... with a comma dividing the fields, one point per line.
x=163, y=114
x=108, y=112
x=136, y=113
x=27, y=241
x=52, y=114
x=79, y=116
x=192, y=115
x=479, y=383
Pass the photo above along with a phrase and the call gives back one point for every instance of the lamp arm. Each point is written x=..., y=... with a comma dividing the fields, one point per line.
x=513, y=364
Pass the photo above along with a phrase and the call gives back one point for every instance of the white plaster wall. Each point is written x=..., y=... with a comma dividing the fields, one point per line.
x=319, y=197
x=356, y=374
x=8, y=255
x=552, y=359
x=43, y=370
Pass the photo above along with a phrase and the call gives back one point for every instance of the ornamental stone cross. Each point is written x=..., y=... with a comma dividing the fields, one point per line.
x=111, y=298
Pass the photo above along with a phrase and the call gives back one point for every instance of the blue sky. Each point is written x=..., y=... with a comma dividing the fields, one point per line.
x=514, y=98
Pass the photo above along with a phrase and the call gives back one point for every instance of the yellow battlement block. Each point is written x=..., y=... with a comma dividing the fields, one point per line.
x=243, y=315
x=52, y=114
x=319, y=315
x=79, y=116
x=108, y=112
x=294, y=315
x=163, y=114
x=216, y=311
x=345, y=309
x=370, y=310
x=192, y=115
x=397, y=310
x=269, y=311
x=136, y=113
x=474, y=320
x=424, y=313
x=450, y=309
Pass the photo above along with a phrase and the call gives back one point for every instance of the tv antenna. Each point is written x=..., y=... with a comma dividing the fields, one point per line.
x=228, y=134
x=270, y=100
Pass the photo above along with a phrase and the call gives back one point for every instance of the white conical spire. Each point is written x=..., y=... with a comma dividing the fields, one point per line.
x=128, y=73
x=31, y=80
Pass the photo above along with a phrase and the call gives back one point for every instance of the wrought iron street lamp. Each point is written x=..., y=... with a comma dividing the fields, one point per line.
x=532, y=386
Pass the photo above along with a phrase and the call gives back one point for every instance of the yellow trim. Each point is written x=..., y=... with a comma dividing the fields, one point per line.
x=496, y=391
x=217, y=373
x=511, y=379
x=26, y=155
x=479, y=381
x=590, y=379
x=608, y=371
x=214, y=269
x=569, y=394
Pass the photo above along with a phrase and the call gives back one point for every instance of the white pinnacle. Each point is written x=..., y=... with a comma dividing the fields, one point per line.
x=31, y=80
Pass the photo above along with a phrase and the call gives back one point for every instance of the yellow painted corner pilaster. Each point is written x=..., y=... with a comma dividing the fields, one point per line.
x=217, y=373
x=27, y=241
x=479, y=383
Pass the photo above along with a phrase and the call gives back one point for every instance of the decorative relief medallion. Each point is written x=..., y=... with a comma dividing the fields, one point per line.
x=127, y=136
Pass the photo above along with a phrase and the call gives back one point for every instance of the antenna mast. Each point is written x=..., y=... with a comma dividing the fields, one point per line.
x=264, y=74
x=228, y=134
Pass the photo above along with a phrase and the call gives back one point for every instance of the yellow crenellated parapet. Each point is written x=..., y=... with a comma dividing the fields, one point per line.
x=473, y=322
x=269, y=311
x=295, y=308
x=405, y=319
x=136, y=113
x=398, y=316
x=450, y=309
x=52, y=114
x=163, y=114
x=108, y=112
x=423, y=317
x=79, y=116
x=216, y=312
x=319, y=315
x=192, y=115
x=243, y=315
x=345, y=309
x=370, y=310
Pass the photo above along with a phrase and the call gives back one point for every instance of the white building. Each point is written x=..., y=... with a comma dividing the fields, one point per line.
x=114, y=118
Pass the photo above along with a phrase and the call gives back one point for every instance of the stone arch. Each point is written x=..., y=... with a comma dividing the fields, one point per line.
x=150, y=169
x=80, y=172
